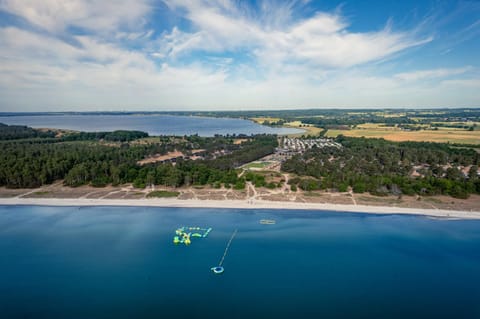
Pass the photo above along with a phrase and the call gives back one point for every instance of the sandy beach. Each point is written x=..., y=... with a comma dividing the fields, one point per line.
x=242, y=204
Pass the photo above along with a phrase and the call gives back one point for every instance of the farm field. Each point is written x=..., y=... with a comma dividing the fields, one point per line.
x=261, y=120
x=440, y=136
x=309, y=129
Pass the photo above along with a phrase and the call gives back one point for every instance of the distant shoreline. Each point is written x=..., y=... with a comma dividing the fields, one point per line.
x=241, y=204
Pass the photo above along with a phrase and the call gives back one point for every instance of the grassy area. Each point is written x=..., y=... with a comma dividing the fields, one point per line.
x=163, y=194
x=440, y=136
x=256, y=165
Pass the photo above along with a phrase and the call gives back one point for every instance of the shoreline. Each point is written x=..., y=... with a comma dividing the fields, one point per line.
x=241, y=204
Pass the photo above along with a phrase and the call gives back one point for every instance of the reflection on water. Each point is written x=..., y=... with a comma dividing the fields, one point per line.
x=120, y=262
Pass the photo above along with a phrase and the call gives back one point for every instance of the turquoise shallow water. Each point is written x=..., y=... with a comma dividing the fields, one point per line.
x=152, y=124
x=110, y=262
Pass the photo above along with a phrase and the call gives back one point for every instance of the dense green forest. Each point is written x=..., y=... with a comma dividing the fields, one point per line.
x=115, y=136
x=31, y=158
x=381, y=168
x=81, y=159
x=10, y=132
x=15, y=132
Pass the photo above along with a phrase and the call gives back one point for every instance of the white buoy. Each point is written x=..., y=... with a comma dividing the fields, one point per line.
x=219, y=269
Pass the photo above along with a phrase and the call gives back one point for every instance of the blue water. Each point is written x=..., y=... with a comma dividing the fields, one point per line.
x=108, y=262
x=152, y=124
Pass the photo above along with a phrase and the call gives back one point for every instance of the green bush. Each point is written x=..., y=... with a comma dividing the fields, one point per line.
x=139, y=183
x=271, y=185
x=239, y=185
x=163, y=194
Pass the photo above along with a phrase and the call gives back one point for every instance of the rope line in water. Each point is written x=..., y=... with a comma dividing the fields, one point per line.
x=226, y=248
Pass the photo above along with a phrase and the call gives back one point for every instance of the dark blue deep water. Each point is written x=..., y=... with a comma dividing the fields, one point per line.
x=110, y=262
x=152, y=124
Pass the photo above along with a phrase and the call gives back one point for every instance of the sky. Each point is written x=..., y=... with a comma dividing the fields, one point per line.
x=147, y=55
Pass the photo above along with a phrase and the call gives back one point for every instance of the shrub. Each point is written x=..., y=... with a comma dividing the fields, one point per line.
x=163, y=194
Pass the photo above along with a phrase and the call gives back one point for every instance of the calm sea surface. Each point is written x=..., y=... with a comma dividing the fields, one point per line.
x=108, y=262
x=153, y=124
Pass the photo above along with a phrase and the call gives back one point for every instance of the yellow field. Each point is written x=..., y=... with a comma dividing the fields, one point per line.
x=261, y=120
x=309, y=129
x=440, y=136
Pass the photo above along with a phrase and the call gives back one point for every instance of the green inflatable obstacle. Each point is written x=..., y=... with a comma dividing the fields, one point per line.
x=184, y=234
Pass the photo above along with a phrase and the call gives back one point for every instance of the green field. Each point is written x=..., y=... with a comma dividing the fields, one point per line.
x=259, y=165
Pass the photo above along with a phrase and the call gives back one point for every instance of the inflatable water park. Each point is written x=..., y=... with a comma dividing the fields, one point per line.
x=184, y=234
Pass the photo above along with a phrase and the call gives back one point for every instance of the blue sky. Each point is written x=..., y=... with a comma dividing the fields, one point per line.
x=76, y=55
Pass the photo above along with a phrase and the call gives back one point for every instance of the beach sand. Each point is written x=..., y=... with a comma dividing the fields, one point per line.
x=241, y=204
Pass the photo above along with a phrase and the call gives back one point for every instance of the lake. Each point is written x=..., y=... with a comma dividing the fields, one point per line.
x=120, y=262
x=153, y=124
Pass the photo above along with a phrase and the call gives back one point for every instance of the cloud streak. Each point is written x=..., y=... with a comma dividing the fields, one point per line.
x=322, y=39
x=84, y=54
x=431, y=74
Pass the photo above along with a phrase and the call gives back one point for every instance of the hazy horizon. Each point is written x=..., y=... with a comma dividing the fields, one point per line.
x=204, y=110
x=181, y=55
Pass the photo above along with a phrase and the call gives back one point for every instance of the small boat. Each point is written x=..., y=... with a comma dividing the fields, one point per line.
x=267, y=221
x=217, y=270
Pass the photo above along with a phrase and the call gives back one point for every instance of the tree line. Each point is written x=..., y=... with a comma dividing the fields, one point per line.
x=11, y=132
x=382, y=167
x=34, y=163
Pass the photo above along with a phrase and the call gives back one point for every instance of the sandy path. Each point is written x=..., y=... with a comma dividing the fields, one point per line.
x=40, y=189
x=353, y=198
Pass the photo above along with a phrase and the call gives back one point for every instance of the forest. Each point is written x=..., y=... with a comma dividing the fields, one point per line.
x=383, y=168
x=87, y=158
x=30, y=158
x=10, y=132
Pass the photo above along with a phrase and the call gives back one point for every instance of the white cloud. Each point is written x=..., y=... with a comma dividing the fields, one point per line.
x=93, y=74
x=290, y=61
x=56, y=15
x=431, y=74
x=322, y=40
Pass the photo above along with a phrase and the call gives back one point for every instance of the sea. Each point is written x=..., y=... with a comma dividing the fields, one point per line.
x=121, y=262
x=154, y=124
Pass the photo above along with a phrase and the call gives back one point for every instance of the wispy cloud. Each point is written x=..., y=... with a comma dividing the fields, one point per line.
x=431, y=74
x=97, y=16
x=322, y=39
x=217, y=53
